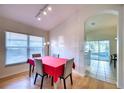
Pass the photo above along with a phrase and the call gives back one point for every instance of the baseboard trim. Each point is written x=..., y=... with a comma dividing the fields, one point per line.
x=83, y=75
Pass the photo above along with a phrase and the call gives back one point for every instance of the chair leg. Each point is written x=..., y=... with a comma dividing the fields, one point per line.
x=42, y=82
x=30, y=66
x=60, y=79
x=64, y=83
x=33, y=69
x=52, y=81
x=47, y=75
x=35, y=78
x=71, y=79
x=110, y=61
x=114, y=63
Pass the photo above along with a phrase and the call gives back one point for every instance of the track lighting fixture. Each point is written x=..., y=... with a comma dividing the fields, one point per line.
x=43, y=11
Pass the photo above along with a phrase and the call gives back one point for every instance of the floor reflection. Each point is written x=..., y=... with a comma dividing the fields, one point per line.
x=102, y=70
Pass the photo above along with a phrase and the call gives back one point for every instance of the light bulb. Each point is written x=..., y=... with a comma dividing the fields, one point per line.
x=39, y=18
x=44, y=44
x=49, y=8
x=44, y=12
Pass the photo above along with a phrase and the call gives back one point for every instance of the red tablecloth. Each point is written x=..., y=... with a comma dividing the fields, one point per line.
x=51, y=65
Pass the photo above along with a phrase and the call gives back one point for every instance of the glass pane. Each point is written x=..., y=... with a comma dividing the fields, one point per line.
x=104, y=50
x=36, y=41
x=94, y=49
x=36, y=45
x=16, y=47
x=99, y=50
x=16, y=55
x=16, y=40
x=87, y=46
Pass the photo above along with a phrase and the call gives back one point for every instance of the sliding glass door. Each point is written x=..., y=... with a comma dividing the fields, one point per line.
x=93, y=48
x=104, y=51
x=99, y=50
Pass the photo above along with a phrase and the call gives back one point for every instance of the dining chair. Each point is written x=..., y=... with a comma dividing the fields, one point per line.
x=55, y=55
x=31, y=67
x=113, y=58
x=39, y=71
x=67, y=71
x=34, y=56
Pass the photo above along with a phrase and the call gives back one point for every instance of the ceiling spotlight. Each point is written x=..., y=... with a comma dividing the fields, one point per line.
x=49, y=8
x=39, y=18
x=44, y=12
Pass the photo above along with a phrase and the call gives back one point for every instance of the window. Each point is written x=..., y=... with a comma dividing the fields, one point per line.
x=35, y=45
x=21, y=46
x=16, y=48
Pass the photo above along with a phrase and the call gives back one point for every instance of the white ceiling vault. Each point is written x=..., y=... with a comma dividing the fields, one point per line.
x=100, y=21
x=25, y=13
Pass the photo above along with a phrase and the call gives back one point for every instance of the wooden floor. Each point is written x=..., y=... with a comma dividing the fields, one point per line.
x=22, y=81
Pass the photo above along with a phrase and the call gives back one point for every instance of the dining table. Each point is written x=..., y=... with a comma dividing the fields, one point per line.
x=53, y=66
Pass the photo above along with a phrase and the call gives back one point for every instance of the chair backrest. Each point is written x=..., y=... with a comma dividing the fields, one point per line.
x=113, y=56
x=56, y=55
x=36, y=55
x=68, y=67
x=39, y=66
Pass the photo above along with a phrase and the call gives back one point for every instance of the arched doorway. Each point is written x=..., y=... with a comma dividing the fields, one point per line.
x=101, y=46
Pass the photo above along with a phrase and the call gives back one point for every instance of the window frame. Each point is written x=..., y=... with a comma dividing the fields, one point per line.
x=28, y=48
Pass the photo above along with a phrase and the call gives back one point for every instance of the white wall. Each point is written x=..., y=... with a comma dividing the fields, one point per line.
x=9, y=25
x=72, y=36
x=120, y=51
x=66, y=40
x=106, y=33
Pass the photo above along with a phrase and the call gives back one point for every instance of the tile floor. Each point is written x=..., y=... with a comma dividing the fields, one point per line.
x=102, y=70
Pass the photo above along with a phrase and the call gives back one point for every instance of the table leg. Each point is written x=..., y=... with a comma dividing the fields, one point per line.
x=33, y=69
x=52, y=81
x=30, y=66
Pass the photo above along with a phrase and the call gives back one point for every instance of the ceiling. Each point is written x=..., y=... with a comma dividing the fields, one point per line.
x=26, y=13
x=101, y=21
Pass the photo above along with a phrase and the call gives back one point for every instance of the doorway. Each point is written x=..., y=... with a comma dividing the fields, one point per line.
x=100, y=44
